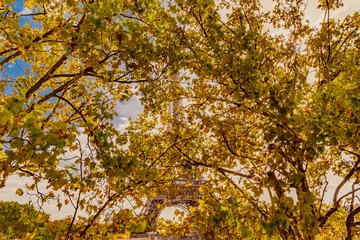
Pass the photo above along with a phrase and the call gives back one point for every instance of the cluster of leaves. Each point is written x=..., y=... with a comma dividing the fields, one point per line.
x=266, y=118
x=19, y=220
x=23, y=221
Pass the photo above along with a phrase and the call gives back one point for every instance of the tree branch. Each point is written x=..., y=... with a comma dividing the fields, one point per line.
x=231, y=150
x=79, y=194
x=73, y=107
x=62, y=59
x=336, y=201
x=196, y=163
x=49, y=73
x=350, y=222
x=92, y=219
x=37, y=39
x=59, y=89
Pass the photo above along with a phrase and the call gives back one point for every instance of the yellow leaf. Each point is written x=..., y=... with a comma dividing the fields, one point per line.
x=19, y=192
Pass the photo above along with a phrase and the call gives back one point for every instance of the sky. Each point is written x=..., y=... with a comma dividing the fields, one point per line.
x=133, y=107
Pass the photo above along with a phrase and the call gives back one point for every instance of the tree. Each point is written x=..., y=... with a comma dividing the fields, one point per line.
x=256, y=120
x=76, y=60
x=266, y=118
x=18, y=220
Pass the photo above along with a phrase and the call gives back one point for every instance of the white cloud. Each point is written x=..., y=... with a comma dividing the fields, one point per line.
x=130, y=109
x=25, y=11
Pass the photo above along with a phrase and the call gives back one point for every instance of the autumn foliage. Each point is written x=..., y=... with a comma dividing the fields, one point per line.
x=267, y=111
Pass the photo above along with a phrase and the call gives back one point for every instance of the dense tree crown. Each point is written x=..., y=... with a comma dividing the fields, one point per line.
x=268, y=117
x=19, y=219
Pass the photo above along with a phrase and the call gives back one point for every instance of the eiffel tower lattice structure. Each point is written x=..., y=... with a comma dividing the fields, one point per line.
x=186, y=195
x=186, y=192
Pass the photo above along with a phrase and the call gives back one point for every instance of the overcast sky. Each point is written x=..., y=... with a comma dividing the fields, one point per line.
x=133, y=107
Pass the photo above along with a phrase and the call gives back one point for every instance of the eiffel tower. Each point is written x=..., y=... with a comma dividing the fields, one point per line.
x=186, y=196
x=187, y=191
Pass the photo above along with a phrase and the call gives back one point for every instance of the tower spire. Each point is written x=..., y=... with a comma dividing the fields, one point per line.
x=175, y=106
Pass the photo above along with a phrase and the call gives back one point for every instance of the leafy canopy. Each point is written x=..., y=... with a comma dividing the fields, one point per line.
x=267, y=117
